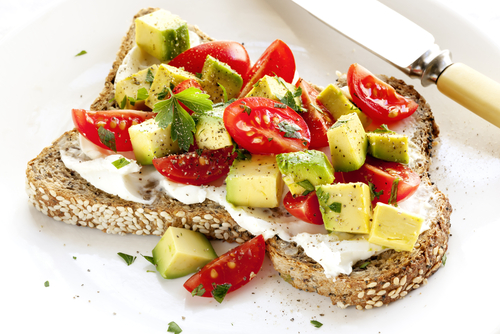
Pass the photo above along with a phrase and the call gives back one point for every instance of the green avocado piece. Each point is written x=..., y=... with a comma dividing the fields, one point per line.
x=388, y=146
x=216, y=73
x=273, y=88
x=345, y=207
x=181, y=252
x=210, y=130
x=348, y=143
x=304, y=170
x=255, y=183
x=165, y=77
x=162, y=34
x=149, y=141
x=338, y=104
x=129, y=88
x=394, y=228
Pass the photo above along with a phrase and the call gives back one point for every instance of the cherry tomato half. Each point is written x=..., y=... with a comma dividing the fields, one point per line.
x=305, y=208
x=317, y=117
x=232, y=53
x=236, y=267
x=194, y=168
x=257, y=125
x=276, y=60
x=116, y=121
x=382, y=175
x=376, y=98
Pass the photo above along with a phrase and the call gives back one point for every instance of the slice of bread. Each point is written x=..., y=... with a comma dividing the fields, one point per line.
x=64, y=195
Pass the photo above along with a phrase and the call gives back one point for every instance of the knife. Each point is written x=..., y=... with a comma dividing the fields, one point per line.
x=415, y=54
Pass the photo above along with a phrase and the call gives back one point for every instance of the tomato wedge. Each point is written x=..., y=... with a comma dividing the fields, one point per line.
x=236, y=267
x=116, y=121
x=305, y=208
x=376, y=98
x=196, y=168
x=257, y=125
x=317, y=117
x=185, y=85
x=382, y=175
x=276, y=60
x=232, y=53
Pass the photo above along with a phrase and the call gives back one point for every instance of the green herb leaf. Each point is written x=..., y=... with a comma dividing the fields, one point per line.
x=198, y=291
x=291, y=130
x=163, y=94
x=443, y=259
x=194, y=99
x=336, y=207
x=149, y=76
x=298, y=92
x=316, y=324
x=173, y=328
x=246, y=109
x=394, y=192
x=373, y=192
x=107, y=138
x=306, y=184
x=339, y=123
x=280, y=105
x=224, y=92
x=81, y=53
x=129, y=259
x=242, y=154
x=149, y=258
x=165, y=113
x=46, y=284
x=183, y=127
x=364, y=265
x=220, y=291
x=74, y=257
x=123, y=103
x=111, y=101
x=119, y=163
x=289, y=100
x=142, y=94
x=383, y=129
x=322, y=195
x=131, y=100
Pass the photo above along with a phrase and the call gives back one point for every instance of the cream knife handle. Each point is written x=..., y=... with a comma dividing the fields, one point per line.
x=473, y=90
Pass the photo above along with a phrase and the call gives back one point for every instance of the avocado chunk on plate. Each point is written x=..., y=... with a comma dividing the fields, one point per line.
x=210, y=131
x=216, y=74
x=273, y=88
x=127, y=93
x=388, y=146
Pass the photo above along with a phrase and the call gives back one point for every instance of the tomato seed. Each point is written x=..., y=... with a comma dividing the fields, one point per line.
x=123, y=125
x=231, y=265
x=214, y=274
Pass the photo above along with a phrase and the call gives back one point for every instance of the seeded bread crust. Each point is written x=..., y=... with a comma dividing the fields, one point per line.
x=391, y=275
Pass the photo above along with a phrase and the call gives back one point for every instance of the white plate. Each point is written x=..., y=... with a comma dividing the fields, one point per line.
x=91, y=288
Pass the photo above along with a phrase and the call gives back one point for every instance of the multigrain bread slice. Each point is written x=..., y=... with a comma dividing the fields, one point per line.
x=64, y=195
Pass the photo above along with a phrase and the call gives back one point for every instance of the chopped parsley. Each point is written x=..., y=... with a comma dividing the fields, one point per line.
x=443, y=259
x=142, y=94
x=322, y=195
x=246, y=109
x=224, y=92
x=394, y=192
x=107, y=138
x=81, y=53
x=170, y=112
x=129, y=259
x=383, y=129
x=123, y=103
x=316, y=324
x=220, y=291
x=46, y=284
x=149, y=258
x=163, y=94
x=119, y=163
x=336, y=207
x=373, y=192
x=242, y=154
x=364, y=265
x=291, y=130
x=198, y=291
x=173, y=328
x=149, y=76
x=307, y=185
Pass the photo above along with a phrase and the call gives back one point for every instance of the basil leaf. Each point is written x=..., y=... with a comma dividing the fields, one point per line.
x=119, y=163
x=220, y=291
x=336, y=207
x=107, y=138
x=316, y=324
x=291, y=130
x=173, y=328
x=81, y=53
x=198, y=291
x=129, y=259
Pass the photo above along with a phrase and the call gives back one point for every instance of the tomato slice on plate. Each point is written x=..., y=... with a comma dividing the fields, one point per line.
x=196, y=168
x=382, y=174
x=317, y=117
x=236, y=267
x=276, y=60
x=232, y=53
x=264, y=126
x=376, y=98
x=116, y=121
x=305, y=208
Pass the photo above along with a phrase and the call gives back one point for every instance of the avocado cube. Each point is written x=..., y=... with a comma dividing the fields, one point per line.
x=394, y=228
x=216, y=73
x=165, y=77
x=181, y=252
x=273, y=88
x=345, y=207
x=129, y=87
x=304, y=170
x=210, y=130
x=255, y=183
x=388, y=146
x=348, y=143
x=162, y=34
x=338, y=104
x=149, y=141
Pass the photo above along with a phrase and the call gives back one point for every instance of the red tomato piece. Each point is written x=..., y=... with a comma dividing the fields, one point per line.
x=304, y=207
x=376, y=98
x=257, y=125
x=382, y=175
x=185, y=85
x=317, y=117
x=232, y=53
x=116, y=121
x=236, y=267
x=276, y=60
x=194, y=168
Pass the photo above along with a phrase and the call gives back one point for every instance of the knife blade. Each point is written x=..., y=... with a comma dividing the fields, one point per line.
x=415, y=53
